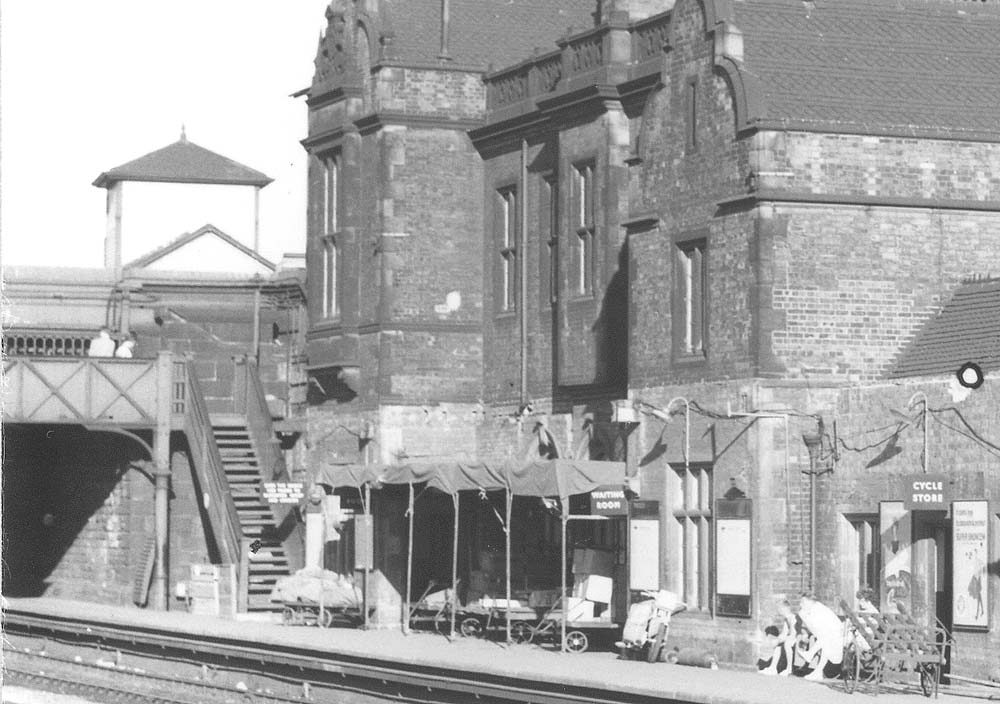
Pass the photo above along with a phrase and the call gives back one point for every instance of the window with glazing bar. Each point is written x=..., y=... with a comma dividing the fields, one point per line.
x=331, y=193
x=507, y=227
x=548, y=218
x=690, y=292
x=691, y=529
x=329, y=299
x=584, y=217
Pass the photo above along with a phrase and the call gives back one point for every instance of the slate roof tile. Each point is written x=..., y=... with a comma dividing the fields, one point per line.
x=894, y=66
x=184, y=162
x=967, y=329
x=500, y=32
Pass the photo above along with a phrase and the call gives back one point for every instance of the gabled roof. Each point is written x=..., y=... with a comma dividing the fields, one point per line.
x=179, y=242
x=966, y=330
x=184, y=162
x=873, y=66
x=481, y=32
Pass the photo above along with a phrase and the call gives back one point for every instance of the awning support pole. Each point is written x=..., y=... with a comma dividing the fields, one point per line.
x=565, y=598
x=409, y=563
x=454, y=567
x=508, y=500
x=369, y=551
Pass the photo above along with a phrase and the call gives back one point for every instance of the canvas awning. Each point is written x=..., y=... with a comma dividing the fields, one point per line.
x=552, y=478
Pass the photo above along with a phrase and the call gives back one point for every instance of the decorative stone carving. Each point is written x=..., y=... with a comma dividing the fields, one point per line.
x=331, y=57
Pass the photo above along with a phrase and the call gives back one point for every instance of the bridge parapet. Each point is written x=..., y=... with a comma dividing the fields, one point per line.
x=86, y=390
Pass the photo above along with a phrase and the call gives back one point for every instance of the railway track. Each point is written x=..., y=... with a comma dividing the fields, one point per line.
x=134, y=663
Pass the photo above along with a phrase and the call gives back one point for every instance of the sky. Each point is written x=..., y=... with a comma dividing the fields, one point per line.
x=87, y=86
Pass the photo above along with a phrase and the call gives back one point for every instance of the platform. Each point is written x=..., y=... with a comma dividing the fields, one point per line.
x=601, y=670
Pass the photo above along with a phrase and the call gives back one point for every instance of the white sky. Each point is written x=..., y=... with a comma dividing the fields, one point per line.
x=87, y=86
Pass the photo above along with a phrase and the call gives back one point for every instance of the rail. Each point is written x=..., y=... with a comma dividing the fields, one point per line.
x=316, y=670
x=225, y=522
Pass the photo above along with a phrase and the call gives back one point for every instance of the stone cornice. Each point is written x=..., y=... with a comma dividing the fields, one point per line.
x=778, y=195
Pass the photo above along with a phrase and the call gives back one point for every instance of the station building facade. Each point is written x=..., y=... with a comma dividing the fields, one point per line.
x=699, y=237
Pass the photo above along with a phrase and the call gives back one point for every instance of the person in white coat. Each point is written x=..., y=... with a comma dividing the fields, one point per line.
x=102, y=345
x=828, y=631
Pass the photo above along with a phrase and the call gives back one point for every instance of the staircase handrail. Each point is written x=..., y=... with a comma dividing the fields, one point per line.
x=249, y=400
x=225, y=522
x=251, y=397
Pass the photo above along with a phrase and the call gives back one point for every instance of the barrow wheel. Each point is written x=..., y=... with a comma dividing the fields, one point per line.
x=930, y=672
x=653, y=654
x=521, y=632
x=288, y=615
x=851, y=668
x=471, y=627
x=325, y=618
x=576, y=642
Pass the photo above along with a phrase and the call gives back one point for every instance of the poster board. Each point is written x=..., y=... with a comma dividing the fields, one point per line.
x=896, y=530
x=644, y=546
x=970, y=553
x=733, y=569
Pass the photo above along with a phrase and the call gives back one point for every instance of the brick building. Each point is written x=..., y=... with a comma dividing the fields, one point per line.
x=732, y=215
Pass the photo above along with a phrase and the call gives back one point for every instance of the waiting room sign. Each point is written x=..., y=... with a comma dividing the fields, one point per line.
x=926, y=492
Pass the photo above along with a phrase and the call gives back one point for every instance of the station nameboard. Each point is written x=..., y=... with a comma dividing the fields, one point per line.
x=926, y=492
x=282, y=492
x=608, y=501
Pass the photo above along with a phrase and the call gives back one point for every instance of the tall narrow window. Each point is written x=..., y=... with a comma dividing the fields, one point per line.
x=692, y=114
x=329, y=299
x=331, y=194
x=582, y=264
x=508, y=232
x=691, y=489
x=549, y=239
x=689, y=327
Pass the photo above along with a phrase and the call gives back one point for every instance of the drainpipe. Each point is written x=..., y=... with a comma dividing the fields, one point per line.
x=445, y=21
x=522, y=269
x=256, y=325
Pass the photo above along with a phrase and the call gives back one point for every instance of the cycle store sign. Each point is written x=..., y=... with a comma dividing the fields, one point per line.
x=926, y=492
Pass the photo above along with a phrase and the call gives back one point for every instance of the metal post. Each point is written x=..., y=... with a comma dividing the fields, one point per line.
x=508, y=500
x=812, y=527
x=409, y=563
x=565, y=599
x=161, y=470
x=454, y=566
x=256, y=325
x=369, y=551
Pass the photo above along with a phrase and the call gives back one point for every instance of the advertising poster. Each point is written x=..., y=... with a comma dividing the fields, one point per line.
x=970, y=605
x=895, y=527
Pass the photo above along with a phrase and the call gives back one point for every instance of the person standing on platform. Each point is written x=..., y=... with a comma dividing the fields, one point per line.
x=102, y=345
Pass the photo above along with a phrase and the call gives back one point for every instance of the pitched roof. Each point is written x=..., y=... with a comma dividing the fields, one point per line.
x=966, y=330
x=483, y=32
x=184, y=162
x=178, y=242
x=871, y=66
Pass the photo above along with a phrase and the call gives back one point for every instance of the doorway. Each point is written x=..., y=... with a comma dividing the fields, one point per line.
x=932, y=569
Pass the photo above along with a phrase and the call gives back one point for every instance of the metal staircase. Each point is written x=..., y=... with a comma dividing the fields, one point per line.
x=241, y=464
